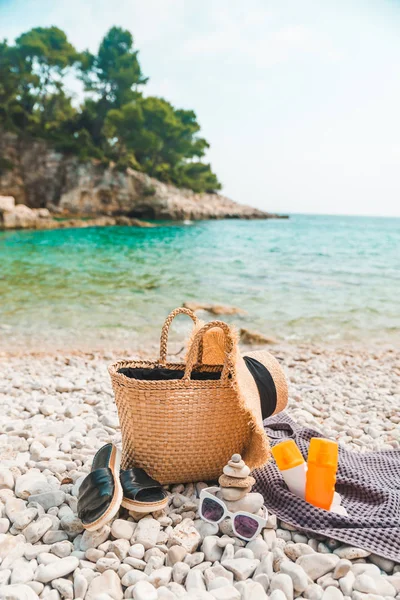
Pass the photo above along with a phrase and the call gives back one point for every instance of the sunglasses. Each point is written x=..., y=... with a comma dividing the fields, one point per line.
x=213, y=510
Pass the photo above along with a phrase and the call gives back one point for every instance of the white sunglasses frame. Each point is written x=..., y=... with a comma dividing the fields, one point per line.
x=208, y=493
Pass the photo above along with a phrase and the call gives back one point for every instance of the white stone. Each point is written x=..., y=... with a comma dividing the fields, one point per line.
x=313, y=592
x=133, y=576
x=179, y=572
x=342, y=568
x=143, y=590
x=80, y=585
x=31, y=483
x=137, y=551
x=185, y=534
x=283, y=582
x=7, y=203
x=332, y=593
x=120, y=548
x=93, y=539
x=37, y=529
x=226, y=593
x=351, y=552
x=60, y=568
x=346, y=583
x=232, y=494
x=297, y=574
x=108, y=583
x=374, y=585
x=146, y=532
x=258, y=547
x=277, y=595
x=122, y=529
x=195, y=580
x=242, y=568
x=250, y=503
x=294, y=551
x=236, y=473
x=317, y=565
x=64, y=587
x=211, y=549
x=6, y=477
x=161, y=576
x=18, y=592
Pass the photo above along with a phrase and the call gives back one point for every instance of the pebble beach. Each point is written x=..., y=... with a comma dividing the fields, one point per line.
x=58, y=410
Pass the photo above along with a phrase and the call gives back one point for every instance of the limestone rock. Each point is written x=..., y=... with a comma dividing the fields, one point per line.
x=317, y=565
x=186, y=535
x=242, y=568
x=31, y=483
x=108, y=583
x=59, y=568
x=18, y=592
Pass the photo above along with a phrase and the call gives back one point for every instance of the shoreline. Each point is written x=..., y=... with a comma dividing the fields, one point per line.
x=59, y=409
x=150, y=351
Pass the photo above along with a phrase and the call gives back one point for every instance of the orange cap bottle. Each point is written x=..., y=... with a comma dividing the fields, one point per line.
x=321, y=473
x=291, y=464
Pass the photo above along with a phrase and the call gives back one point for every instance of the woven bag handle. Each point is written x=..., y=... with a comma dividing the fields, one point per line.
x=193, y=355
x=165, y=330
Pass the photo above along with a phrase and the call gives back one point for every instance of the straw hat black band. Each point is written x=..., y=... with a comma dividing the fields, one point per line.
x=265, y=385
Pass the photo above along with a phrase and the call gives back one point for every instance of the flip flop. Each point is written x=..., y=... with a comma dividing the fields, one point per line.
x=141, y=493
x=100, y=493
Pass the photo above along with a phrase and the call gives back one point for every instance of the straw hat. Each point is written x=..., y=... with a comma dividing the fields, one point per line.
x=260, y=382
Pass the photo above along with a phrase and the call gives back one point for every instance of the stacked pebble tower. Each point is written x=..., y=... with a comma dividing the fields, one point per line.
x=235, y=486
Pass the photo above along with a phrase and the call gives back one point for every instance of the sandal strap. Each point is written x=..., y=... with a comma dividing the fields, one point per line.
x=135, y=480
x=96, y=488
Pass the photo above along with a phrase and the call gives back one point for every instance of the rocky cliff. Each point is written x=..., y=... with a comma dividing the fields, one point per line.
x=38, y=177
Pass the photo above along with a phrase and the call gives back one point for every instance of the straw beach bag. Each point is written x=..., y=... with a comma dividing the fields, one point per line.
x=185, y=429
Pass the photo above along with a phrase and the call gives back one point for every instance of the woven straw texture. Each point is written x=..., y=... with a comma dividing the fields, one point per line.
x=186, y=430
x=213, y=352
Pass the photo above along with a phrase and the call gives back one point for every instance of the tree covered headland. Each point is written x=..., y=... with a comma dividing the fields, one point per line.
x=115, y=122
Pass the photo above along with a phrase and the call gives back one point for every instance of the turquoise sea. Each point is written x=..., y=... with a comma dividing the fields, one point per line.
x=309, y=278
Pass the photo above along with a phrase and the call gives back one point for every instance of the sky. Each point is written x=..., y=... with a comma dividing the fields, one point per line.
x=299, y=99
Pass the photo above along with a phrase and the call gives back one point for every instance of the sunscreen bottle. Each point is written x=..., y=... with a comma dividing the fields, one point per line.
x=292, y=466
x=321, y=474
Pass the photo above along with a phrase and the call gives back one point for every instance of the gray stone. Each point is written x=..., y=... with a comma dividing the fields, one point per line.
x=48, y=499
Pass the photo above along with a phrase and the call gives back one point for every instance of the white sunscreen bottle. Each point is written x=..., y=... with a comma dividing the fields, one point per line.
x=292, y=465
